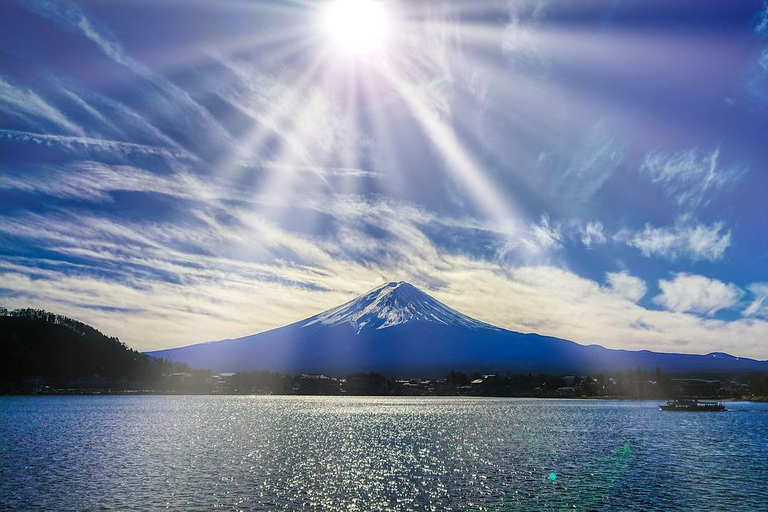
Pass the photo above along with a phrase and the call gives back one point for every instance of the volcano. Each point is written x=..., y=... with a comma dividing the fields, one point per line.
x=399, y=330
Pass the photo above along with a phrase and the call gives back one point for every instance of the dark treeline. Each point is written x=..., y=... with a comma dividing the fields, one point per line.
x=636, y=384
x=758, y=384
x=38, y=346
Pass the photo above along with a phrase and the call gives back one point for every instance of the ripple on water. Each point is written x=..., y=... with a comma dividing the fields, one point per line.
x=331, y=453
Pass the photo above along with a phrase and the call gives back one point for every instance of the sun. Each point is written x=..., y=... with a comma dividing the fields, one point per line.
x=356, y=27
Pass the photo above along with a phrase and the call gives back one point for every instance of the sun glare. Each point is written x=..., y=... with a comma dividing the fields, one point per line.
x=356, y=27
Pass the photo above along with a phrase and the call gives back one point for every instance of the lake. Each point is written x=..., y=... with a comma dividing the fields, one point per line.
x=358, y=453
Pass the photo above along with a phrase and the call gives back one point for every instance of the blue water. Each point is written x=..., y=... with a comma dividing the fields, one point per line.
x=331, y=453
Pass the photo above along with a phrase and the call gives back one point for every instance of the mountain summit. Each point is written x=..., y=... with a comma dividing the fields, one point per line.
x=393, y=304
x=399, y=330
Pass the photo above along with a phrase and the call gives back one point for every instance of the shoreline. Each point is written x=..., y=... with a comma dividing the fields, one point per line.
x=760, y=399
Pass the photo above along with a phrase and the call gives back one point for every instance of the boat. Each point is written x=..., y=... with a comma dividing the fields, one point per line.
x=692, y=405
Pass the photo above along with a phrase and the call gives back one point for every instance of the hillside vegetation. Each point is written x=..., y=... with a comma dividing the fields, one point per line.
x=38, y=344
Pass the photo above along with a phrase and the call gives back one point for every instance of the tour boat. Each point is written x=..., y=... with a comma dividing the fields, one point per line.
x=691, y=405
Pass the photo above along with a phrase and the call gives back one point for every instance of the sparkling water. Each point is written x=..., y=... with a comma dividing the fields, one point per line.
x=349, y=453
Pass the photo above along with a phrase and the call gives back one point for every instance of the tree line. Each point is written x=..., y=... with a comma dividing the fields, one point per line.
x=39, y=345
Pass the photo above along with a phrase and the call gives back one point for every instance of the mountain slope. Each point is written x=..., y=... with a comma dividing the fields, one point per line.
x=402, y=331
x=394, y=304
x=38, y=343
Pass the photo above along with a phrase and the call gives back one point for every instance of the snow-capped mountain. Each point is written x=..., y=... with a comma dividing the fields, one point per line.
x=399, y=330
x=394, y=304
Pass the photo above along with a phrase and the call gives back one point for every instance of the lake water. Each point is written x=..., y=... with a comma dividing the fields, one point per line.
x=330, y=453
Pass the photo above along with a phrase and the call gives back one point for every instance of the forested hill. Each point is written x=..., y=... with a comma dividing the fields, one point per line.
x=38, y=344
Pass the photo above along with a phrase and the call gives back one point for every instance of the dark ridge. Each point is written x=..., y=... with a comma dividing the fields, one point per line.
x=40, y=345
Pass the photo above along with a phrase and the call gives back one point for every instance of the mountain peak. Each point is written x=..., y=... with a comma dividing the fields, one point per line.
x=396, y=284
x=391, y=304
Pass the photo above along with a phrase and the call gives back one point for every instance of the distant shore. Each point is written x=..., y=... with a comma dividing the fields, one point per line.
x=83, y=392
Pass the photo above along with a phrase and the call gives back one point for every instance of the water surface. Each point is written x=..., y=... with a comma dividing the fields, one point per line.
x=346, y=453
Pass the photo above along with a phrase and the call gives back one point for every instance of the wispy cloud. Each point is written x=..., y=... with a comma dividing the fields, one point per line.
x=78, y=144
x=73, y=18
x=543, y=235
x=326, y=171
x=575, y=173
x=533, y=241
x=593, y=164
x=626, y=285
x=697, y=294
x=29, y=107
x=174, y=104
x=519, y=40
x=689, y=181
x=592, y=234
x=209, y=295
x=120, y=121
x=93, y=181
x=193, y=281
x=686, y=239
x=755, y=83
x=761, y=25
x=759, y=305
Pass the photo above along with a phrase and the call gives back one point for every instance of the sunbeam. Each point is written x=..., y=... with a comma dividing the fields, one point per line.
x=457, y=160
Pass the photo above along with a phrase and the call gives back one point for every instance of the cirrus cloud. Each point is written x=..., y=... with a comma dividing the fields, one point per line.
x=759, y=304
x=592, y=234
x=684, y=240
x=689, y=293
x=689, y=181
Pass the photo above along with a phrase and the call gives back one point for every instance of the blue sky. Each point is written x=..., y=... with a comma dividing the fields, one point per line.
x=185, y=171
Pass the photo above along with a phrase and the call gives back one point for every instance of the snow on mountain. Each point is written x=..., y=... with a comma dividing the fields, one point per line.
x=401, y=331
x=393, y=304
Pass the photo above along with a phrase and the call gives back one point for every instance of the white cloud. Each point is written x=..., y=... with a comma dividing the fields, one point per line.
x=168, y=102
x=532, y=241
x=592, y=234
x=759, y=304
x=29, y=107
x=706, y=242
x=695, y=242
x=171, y=284
x=519, y=40
x=572, y=173
x=92, y=181
x=627, y=286
x=697, y=294
x=688, y=181
x=542, y=236
x=76, y=144
x=119, y=119
x=557, y=302
x=761, y=28
x=593, y=164
x=74, y=19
